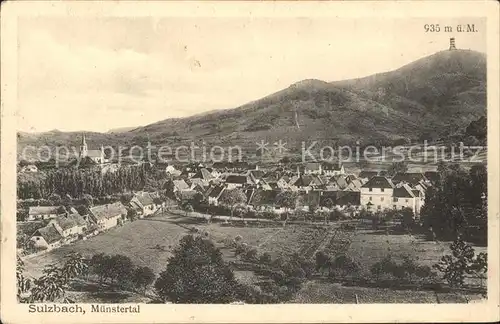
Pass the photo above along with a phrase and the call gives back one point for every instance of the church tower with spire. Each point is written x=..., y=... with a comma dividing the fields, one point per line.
x=83, y=147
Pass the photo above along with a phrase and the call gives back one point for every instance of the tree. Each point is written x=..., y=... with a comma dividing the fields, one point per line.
x=88, y=200
x=462, y=261
x=233, y=198
x=322, y=261
x=131, y=214
x=188, y=208
x=397, y=167
x=196, y=273
x=142, y=278
x=288, y=200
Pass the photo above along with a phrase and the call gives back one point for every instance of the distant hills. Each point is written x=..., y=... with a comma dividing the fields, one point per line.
x=432, y=97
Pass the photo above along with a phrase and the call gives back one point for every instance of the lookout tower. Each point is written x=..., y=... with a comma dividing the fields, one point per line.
x=452, y=44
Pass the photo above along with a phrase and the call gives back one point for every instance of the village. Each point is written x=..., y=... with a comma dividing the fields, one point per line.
x=218, y=189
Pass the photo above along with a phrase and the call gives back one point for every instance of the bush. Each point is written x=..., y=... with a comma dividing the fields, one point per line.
x=265, y=258
x=250, y=255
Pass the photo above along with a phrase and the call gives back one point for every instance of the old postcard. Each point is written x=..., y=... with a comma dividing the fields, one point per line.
x=245, y=162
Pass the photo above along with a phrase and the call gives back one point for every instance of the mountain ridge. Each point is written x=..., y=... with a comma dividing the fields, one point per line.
x=428, y=97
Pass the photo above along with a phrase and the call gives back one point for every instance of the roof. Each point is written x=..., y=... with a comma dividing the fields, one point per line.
x=202, y=174
x=107, y=211
x=403, y=191
x=332, y=166
x=257, y=174
x=379, y=182
x=412, y=178
x=181, y=185
x=44, y=210
x=332, y=195
x=263, y=197
x=367, y=174
x=308, y=180
x=94, y=153
x=70, y=221
x=187, y=194
x=313, y=166
x=216, y=192
x=144, y=198
x=240, y=179
x=416, y=192
x=348, y=198
x=49, y=233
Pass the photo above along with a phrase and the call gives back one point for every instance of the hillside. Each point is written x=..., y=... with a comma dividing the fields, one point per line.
x=430, y=97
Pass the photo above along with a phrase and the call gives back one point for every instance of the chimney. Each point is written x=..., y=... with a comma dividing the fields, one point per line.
x=452, y=44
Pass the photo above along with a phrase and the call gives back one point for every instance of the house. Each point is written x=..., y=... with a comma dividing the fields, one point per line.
x=30, y=168
x=238, y=181
x=44, y=212
x=186, y=196
x=348, y=198
x=313, y=168
x=262, y=200
x=367, y=174
x=180, y=185
x=71, y=224
x=404, y=198
x=377, y=193
x=203, y=174
x=143, y=203
x=308, y=182
x=107, y=216
x=215, y=194
x=332, y=169
x=47, y=237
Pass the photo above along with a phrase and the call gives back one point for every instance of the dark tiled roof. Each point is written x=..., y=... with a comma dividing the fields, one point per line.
x=240, y=179
x=144, y=198
x=332, y=166
x=403, y=192
x=412, y=178
x=49, y=234
x=379, y=182
x=367, y=174
x=264, y=197
x=216, y=192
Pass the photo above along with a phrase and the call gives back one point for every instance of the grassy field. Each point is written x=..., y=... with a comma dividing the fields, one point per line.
x=318, y=292
x=150, y=242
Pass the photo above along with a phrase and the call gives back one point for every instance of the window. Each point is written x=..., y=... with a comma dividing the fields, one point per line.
x=371, y=198
x=395, y=199
x=382, y=189
x=406, y=200
x=370, y=189
x=394, y=207
x=381, y=198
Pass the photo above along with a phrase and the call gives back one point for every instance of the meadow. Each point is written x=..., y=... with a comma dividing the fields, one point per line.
x=151, y=241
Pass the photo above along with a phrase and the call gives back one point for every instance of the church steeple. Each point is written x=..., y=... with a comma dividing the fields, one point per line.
x=83, y=147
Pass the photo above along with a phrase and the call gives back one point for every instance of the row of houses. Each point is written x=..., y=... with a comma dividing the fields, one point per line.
x=67, y=225
x=331, y=184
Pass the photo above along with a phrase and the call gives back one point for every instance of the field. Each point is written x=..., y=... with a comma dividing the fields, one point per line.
x=150, y=242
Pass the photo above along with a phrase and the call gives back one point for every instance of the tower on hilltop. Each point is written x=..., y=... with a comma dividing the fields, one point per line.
x=452, y=44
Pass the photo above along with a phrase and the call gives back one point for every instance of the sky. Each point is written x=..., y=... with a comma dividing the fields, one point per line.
x=97, y=74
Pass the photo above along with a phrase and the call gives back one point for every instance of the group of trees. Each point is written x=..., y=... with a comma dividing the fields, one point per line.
x=457, y=204
x=53, y=284
x=77, y=182
x=119, y=269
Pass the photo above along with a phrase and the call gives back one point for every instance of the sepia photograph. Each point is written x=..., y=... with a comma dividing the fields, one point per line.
x=249, y=159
